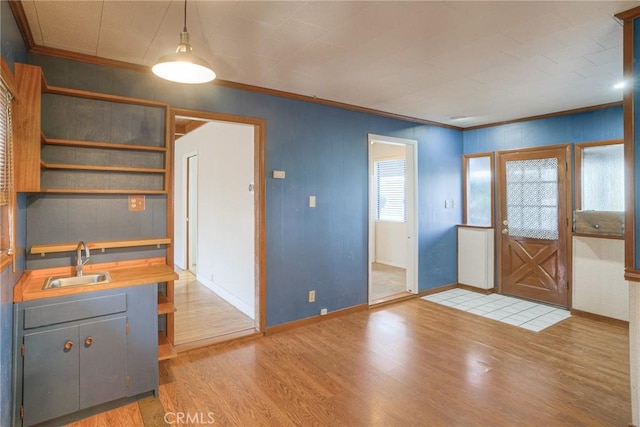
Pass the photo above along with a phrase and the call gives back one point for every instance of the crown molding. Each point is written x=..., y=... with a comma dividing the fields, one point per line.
x=549, y=115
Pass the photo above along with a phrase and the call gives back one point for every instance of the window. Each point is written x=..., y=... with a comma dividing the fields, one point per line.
x=600, y=176
x=390, y=190
x=6, y=178
x=478, y=189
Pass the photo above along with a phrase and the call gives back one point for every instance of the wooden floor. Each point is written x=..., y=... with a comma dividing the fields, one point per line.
x=201, y=314
x=387, y=280
x=414, y=363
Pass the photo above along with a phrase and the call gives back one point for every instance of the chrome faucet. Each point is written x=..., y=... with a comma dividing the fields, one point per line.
x=79, y=261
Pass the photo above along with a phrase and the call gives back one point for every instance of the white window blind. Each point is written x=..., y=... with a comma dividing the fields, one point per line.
x=5, y=144
x=390, y=186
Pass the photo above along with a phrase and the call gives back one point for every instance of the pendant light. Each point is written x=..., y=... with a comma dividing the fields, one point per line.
x=183, y=66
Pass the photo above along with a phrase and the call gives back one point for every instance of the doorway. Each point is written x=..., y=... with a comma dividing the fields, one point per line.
x=534, y=198
x=393, y=248
x=218, y=227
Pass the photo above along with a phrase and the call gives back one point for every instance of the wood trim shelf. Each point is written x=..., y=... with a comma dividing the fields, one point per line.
x=164, y=305
x=95, y=144
x=55, y=90
x=95, y=191
x=109, y=244
x=165, y=348
x=45, y=165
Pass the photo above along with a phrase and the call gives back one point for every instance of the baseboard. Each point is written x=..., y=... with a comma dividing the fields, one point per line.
x=314, y=319
x=600, y=318
x=438, y=289
x=222, y=339
x=476, y=289
x=392, y=299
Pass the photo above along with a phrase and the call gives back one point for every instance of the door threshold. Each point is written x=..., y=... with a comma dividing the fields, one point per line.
x=393, y=298
x=221, y=339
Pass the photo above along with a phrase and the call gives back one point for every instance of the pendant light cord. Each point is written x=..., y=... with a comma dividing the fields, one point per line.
x=185, y=16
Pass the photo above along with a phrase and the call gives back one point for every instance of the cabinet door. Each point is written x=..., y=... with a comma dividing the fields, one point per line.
x=51, y=377
x=103, y=361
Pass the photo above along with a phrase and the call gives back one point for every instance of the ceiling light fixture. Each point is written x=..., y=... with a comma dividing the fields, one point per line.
x=183, y=66
x=619, y=85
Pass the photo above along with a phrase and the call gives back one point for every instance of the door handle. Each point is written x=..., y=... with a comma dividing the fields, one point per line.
x=505, y=231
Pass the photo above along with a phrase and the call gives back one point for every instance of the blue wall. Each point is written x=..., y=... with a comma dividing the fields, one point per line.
x=582, y=127
x=324, y=153
x=12, y=49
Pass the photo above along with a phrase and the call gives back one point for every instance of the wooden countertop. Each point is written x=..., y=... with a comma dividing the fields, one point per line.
x=123, y=274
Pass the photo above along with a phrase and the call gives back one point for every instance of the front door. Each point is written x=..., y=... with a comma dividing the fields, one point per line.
x=533, y=224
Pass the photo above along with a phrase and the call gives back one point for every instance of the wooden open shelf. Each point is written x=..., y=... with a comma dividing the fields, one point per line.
x=165, y=349
x=109, y=244
x=93, y=191
x=164, y=305
x=95, y=144
x=45, y=165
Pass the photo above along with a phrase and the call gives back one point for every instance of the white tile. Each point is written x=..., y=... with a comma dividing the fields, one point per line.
x=532, y=327
x=448, y=303
x=539, y=322
x=472, y=304
x=496, y=315
x=525, y=304
x=517, y=318
x=478, y=310
x=540, y=309
x=511, y=309
x=512, y=321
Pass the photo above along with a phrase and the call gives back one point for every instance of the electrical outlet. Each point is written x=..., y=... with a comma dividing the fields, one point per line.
x=312, y=296
x=323, y=312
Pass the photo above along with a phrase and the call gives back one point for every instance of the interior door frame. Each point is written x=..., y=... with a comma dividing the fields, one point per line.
x=568, y=183
x=259, y=137
x=189, y=222
x=411, y=194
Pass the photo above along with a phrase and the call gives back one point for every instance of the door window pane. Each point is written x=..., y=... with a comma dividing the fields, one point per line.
x=478, y=186
x=532, y=198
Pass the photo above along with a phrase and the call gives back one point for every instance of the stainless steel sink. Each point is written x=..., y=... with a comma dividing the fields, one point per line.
x=87, y=279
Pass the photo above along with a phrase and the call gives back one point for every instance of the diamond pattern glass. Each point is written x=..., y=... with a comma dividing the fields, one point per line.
x=532, y=198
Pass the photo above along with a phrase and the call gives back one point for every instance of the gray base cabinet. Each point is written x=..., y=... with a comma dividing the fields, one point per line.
x=75, y=353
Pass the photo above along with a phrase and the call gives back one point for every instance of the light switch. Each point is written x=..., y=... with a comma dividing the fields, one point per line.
x=312, y=201
x=278, y=174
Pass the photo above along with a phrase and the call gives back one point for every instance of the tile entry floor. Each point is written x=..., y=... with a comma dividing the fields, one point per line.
x=525, y=314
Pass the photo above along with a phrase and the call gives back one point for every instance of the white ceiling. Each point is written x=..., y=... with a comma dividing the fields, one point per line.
x=434, y=60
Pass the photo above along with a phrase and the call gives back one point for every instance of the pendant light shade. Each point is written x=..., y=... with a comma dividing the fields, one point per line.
x=183, y=66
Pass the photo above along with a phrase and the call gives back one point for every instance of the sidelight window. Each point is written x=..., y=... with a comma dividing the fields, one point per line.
x=600, y=176
x=478, y=189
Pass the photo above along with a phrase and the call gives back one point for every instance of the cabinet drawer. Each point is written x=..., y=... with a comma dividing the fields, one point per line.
x=51, y=314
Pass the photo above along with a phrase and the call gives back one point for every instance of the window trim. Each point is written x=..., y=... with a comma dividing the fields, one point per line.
x=577, y=161
x=8, y=258
x=492, y=166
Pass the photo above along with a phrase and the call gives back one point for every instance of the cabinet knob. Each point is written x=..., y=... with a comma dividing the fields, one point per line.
x=68, y=345
x=88, y=341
